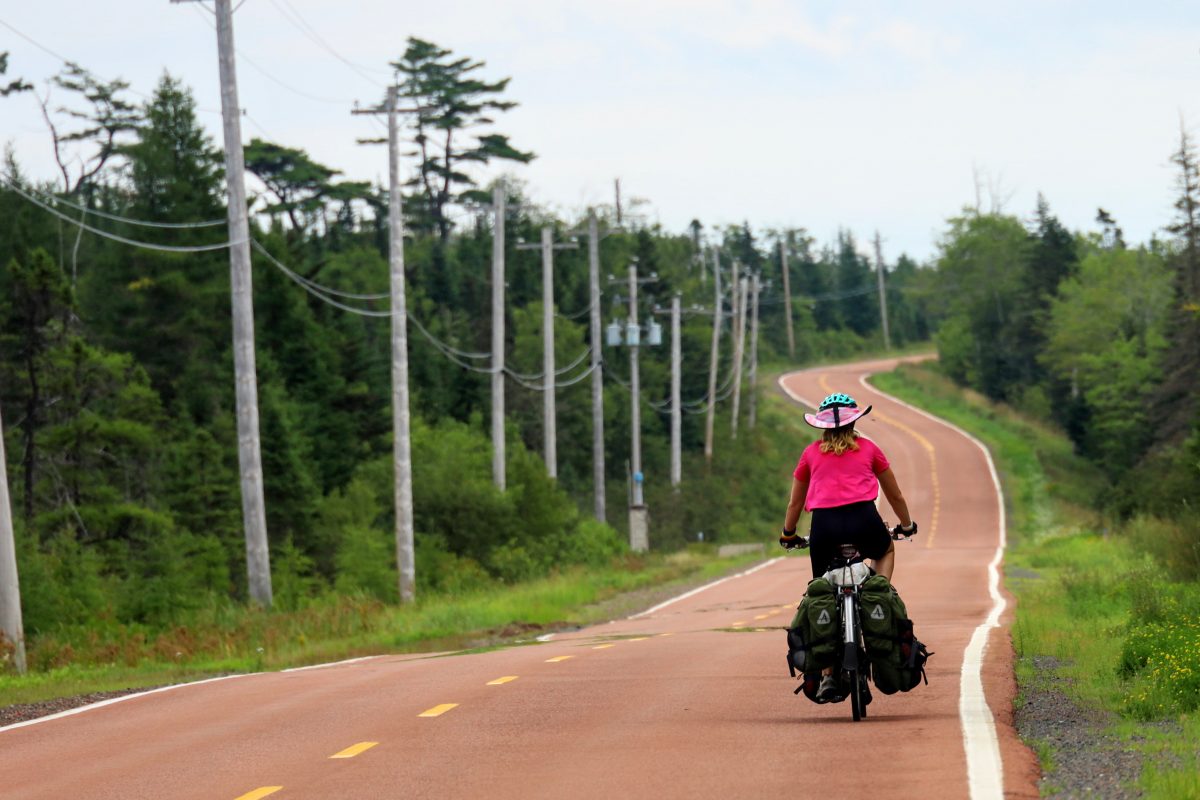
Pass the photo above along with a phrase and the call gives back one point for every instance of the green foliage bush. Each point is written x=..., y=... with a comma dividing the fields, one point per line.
x=1161, y=660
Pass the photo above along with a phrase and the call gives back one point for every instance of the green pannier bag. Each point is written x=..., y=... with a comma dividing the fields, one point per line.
x=812, y=636
x=897, y=658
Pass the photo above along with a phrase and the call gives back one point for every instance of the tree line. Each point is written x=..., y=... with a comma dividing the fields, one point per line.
x=1094, y=334
x=116, y=366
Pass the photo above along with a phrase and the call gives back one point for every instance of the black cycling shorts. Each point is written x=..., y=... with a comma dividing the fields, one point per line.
x=856, y=523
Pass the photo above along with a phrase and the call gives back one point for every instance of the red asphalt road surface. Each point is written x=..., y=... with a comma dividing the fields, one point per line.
x=692, y=700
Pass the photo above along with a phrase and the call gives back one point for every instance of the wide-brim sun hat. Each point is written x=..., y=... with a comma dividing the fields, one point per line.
x=836, y=411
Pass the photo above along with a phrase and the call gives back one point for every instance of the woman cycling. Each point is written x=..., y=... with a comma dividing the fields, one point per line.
x=838, y=479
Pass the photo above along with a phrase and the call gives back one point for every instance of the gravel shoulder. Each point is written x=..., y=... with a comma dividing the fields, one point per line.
x=1085, y=759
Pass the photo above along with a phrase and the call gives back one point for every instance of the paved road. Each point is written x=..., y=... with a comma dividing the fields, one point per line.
x=689, y=700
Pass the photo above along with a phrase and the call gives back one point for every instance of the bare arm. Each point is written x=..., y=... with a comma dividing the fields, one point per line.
x=795, y=504
x=891, y=490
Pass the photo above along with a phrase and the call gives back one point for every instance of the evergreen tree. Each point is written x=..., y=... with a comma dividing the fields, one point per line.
x=454, y=107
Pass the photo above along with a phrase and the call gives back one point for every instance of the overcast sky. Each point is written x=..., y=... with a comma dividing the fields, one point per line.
x=866, y=115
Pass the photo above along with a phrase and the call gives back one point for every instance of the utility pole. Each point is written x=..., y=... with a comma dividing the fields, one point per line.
x=549, y=417
x=597, y=366
x=879, y=269
x=11, y=626
x=549, y=414
x=401, y=441
x=754, y=289
x=787, y=297
x=739, y=347
x=617, y=187
x=498, y=455
x=402, y=447
x=676, y=411
x=258, y=559
x=713, y=360
x=639, y=539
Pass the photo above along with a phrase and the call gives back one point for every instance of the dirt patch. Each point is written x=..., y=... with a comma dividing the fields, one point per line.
x=1086, y=759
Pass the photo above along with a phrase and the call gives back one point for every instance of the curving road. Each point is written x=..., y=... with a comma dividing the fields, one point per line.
x=691, y=699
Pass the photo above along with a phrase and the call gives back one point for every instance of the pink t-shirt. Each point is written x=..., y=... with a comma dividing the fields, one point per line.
x=841, y=480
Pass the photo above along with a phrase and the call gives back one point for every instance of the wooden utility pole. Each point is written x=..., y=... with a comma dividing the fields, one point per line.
x=755, y=286
x=639, y=536
x=549, y=417
x=879, y=269
x=258, y=559
x=498, y=455
x=597, y=366
x=401, y=446
x=549, y=414
x=401, y=422
x=676, y=411
x=739, y=348
x=787, y=297
x=713, y=360
x=11, y=626
x=617, y=190
x=633, y=339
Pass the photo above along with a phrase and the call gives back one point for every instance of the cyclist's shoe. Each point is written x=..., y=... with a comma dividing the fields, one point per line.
x=828, y=691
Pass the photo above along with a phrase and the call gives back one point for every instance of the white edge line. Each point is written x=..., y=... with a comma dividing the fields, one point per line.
x=985, y=772
x=72, y=711
x=134, y=695
x=700, y=589
x=330, y=664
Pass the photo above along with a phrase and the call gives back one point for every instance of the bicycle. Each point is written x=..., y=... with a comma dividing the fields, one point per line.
x=847, y=574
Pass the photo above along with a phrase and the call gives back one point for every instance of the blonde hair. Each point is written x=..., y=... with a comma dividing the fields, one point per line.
x=840, y=440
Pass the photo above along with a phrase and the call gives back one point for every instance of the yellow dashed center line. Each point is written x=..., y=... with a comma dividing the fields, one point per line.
x=557, y=659
x=665, y=634
x=603, y=646
x=437, y=711
x=505, y=679
x=738, y=624
x=639, y=639
x=787, y=607
x=762, y=616
x=354, y=749
x=262, y=791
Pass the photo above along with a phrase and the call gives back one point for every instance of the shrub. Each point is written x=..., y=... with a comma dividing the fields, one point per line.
x=1163, y=661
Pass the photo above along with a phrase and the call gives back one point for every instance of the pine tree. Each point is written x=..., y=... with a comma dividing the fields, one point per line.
x=455, y=107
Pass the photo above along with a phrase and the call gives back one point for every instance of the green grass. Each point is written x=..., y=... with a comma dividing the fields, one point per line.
x=230, y=639
x=1089, y=593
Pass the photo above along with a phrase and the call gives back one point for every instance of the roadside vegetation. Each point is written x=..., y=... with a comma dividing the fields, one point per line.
x=117, y=390
x=1111, y=604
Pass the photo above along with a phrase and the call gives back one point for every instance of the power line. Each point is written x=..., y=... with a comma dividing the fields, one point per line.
x=71, y=63
x=541, y=387
x=204, y=248
x=271, y=77
x=305, y=28
x=532, y=377
x=303, y=281
x=128, y=221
